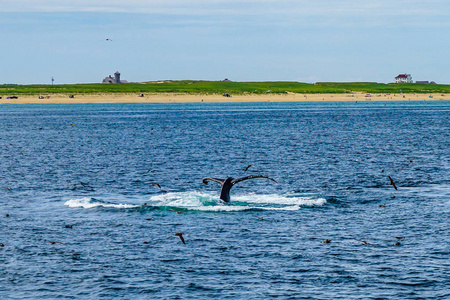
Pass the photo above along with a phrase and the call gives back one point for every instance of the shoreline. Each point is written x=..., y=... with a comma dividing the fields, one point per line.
x=190, y=98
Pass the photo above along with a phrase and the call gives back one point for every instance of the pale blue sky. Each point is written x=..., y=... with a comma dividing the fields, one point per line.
x=306, y=41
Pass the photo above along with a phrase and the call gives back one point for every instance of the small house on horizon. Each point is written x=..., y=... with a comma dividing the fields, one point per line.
x=115, y=79
x=426, y=82
x=403, y=78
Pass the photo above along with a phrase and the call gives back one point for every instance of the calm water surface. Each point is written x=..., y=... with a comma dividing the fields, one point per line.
x=93, y=167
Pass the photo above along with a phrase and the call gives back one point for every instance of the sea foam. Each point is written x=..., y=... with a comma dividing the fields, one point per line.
x=209, y=201
x=88, y=202
x=205, y=201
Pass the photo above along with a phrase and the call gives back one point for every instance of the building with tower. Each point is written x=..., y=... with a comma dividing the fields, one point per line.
x=115, y=79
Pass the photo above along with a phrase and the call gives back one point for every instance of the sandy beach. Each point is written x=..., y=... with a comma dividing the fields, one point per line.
x=187, y=98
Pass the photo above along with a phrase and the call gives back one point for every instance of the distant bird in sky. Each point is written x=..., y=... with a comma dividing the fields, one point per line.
x=392, y=183
x=180, y=235
x=247, y=168
x=110, y=40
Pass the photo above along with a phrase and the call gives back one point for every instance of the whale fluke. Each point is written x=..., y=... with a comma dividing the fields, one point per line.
x=206, y=179
x=228, y=183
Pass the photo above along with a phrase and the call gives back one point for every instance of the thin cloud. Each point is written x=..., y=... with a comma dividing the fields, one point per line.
x=288, y=14
x=330, y=8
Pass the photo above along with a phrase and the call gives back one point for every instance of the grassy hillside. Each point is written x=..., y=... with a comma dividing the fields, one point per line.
x=221, y=87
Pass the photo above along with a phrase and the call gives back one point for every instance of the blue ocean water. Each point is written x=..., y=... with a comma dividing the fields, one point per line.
x=82, y=215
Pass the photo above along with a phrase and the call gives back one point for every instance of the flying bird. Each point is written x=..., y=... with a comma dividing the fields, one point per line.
x=393, y=183
x=410, y=162
x=56, y=243
x=364, y=242
x=247, y=168
x=157, y=184
x=110, y=40
x=180, y=235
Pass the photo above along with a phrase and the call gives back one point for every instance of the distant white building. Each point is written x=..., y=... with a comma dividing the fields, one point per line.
x=403, y=78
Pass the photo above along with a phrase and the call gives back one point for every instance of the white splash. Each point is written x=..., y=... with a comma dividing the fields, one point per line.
x=184, y=199
x=287, y=199
x=211, y=202
x=88, y=202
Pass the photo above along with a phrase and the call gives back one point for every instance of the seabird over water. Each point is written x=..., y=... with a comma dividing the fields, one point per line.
x=392, y=183
x=180, y=235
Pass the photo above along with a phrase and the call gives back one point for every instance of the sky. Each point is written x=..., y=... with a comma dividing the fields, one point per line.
x=83, y=41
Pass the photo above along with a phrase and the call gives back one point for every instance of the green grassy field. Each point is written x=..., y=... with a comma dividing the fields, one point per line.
x=221, y=87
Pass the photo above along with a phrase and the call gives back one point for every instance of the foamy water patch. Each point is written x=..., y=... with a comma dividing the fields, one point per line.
x=88, y=202
x=205, y=201
x=185, y=199
x=208, y=201
x=286, y=199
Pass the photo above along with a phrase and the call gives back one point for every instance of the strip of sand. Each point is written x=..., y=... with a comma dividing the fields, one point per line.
x=188, y=98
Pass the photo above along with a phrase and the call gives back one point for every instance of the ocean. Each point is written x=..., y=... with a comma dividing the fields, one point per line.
x=92, y=195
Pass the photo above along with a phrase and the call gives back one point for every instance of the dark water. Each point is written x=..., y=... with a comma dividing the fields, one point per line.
x=92, y=167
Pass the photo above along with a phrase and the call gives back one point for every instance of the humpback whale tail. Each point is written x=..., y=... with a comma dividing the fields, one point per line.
x=228, y=183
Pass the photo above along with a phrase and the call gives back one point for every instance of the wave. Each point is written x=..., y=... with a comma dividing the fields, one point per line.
x=88, y=202
x=208, y=201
